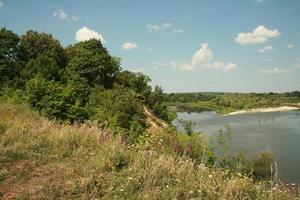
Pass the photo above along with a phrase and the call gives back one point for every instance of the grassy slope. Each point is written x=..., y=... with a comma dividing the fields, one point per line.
x=41, y=159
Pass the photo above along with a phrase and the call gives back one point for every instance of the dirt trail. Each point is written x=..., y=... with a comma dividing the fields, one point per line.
x=155, y=124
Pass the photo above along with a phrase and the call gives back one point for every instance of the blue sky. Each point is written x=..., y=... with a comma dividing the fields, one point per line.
x=184, y=46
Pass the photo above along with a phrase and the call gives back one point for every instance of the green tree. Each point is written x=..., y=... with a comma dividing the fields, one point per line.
x=135, y=81
x=34, y=44
x=91, y=61
x=36, y=89
x=9, y=57
x=156, y=103
x=57, y=100
x=43, y=65
x=117, y=107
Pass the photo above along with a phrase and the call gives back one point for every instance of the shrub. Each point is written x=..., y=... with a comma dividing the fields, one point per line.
x=118, y=107
x=262, y=165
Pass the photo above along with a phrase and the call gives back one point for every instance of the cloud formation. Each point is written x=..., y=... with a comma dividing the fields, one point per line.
x=60, y=13
x=1, y=4
x=265, y=49
x=290, y=46
x=275, y=71
x=85, y=34
x=166, y=27
x=129, y=45
x=202, y=59
x=179, y=30
x=259, y=35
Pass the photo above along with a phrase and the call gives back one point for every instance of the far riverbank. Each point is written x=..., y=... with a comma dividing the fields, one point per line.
x=258, y=110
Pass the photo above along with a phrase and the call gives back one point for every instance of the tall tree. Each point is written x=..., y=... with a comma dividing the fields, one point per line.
x=9, y=55
x=90, y=60
x=44, y=65
x=135, y=81
x=34, y=44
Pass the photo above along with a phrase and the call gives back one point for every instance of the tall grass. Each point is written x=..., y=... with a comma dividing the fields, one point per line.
x=42, y=159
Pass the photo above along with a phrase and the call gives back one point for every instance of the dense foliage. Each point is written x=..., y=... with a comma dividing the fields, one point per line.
x=77, y=83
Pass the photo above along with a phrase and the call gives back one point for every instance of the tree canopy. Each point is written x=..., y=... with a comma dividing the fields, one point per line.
x=77, y=83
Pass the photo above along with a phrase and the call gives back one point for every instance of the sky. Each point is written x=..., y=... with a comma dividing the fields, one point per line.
x=182, y=45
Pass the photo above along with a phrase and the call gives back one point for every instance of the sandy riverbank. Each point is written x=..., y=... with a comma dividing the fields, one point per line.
x=257, y=110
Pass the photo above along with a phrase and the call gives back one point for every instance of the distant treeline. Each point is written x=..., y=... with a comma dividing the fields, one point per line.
x=227, y=102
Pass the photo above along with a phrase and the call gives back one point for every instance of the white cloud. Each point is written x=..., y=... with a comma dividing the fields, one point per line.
x=74, y=18
x=265, y=49
x=259, y=1
x=275, y=71
x=290, y=46
x=60, y=13
x=166, y=27
x=85, y=33
x=202, y=59
x=150, y=49
x=129, y=45
x=202, y=56
x=259, y=35
x=178, y=30
x=153, y=27
x=222, y=66
x=230, y=66
x=1, y=4
x=172, y=64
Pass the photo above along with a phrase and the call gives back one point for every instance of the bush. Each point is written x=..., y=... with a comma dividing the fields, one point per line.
x=187, y=126
x=136, y=130
x=55, y=100
x=118, y=107
x=262, y=165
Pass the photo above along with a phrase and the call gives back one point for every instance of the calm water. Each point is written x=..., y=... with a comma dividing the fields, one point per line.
x=278, y=132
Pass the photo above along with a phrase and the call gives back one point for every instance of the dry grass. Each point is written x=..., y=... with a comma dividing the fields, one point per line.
x=42, y=159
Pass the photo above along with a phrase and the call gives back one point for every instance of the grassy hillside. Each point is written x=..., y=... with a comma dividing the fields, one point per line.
x=42, y=159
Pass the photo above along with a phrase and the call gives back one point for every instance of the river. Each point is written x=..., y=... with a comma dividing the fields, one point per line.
x=278, y=132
